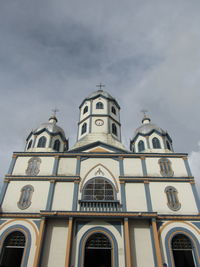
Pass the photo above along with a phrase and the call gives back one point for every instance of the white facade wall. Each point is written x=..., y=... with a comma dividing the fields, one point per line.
x=63, y=196
x=185, y=195
x=135, y=197
x=67, y=166
x=100, y=111
x=132, y=167
x=141, y=244
x=83, y=116
x=55, y=243
x=38, y=201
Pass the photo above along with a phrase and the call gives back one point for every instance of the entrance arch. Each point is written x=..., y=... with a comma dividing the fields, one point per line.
x=13, y=249
x=83, y=243
x=182, y=251
x=98, y=251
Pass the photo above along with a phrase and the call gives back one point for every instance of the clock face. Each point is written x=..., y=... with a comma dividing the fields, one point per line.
x=99, y=122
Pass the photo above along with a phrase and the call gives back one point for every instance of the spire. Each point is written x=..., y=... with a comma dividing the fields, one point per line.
x=53, y=118
x=146, y=118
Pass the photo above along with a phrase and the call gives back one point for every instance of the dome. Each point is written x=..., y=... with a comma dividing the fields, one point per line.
x=148, y=127
x=51, y=127
x=100, y=92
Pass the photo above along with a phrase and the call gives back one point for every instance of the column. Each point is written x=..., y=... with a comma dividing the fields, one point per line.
x=69, y=242
x=127, y=243
x=156, y=243
x=39, y=243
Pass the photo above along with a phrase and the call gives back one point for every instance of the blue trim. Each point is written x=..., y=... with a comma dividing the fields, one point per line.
x=123, y=196
x=79, y=225
x=110, y=235
x=148, y=197
x=187, y=166
x=28, y=241
x=153, y=247
x=121, y=167
x=50, y=196
x=144, y=167
x=55, y=166
x=197, y=224
x=3, y=192
x=78, y=166
x=148, y=143
x=2, y=221
x=90, y=120
x=117, y=225
x=12, y=164
x=37, y=222
x=75, y=197
x=187, y=233
x=196, y=196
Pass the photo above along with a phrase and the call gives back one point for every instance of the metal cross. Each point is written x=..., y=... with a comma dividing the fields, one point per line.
x=100, y=86
x=144, y=111
x=55, y=110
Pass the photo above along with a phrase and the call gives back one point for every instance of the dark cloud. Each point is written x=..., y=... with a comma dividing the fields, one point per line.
x=53, y=53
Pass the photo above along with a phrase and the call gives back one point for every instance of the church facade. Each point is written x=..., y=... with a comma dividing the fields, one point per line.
x=99, y=204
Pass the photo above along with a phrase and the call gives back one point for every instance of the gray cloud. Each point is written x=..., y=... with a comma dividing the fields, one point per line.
x=53, y=53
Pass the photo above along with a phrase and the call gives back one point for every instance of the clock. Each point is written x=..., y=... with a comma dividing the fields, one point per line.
x=99, y=122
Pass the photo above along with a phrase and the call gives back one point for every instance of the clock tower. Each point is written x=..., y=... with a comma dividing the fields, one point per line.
x=99, y=120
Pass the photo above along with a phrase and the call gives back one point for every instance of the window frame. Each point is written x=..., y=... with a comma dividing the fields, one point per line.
x=156, y=143
x=165, y=167
x=55, y=144
x=85, y=110
x=141, y=143
x=99, y=105
x=172, y=198
x=114, y=129
x=84, y=128
x=25, y=197
x=42, y=142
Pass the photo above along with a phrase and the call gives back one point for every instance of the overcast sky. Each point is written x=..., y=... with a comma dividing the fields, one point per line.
x=53, y=53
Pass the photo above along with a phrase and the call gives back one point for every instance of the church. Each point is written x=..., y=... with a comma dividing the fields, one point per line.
x=97, y=203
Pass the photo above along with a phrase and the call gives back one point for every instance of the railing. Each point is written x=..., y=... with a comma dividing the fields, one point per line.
x=99, y=206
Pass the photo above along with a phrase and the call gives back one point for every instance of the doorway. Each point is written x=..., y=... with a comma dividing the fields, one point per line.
x=182, y=251
x=98, y=251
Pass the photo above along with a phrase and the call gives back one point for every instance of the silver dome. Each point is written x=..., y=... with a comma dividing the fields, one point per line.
x=100, y=92
x=147, y=128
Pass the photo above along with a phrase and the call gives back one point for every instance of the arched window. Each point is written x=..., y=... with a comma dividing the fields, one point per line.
x=113, y=110
x=33, y=166
x=165, y=167
x=84, y=128
x=99, y=105
x=30, y=144
x=85, y=109
x=13, y=249
x=42, y=141
x=98, y=249
x=182, y=251
x=56, y=145
x=168, y=145
x=98, y=189
x=156, y=143
x=25, y=197
x=140, y=146
x=172, y=198
x=114, y=129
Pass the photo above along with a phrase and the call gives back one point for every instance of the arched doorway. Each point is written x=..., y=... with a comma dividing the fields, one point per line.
x=12, y=250
x=182, y=251
x=98, y=251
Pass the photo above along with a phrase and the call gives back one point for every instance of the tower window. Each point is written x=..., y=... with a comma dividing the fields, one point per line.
x=30, y=144
x=25, y=197
x=114, y=129
x=56, y=145
x=42, y=141
x=140, y=146
x=113, y=110
x=85, y=109
x=98, y=189
x=156, y=143
x=165, y=167
x=182, y=251
x=13, y=249
x=84, y=128
x=99, y=105
x=172, y=198
x=168, y=145
x=33, y=166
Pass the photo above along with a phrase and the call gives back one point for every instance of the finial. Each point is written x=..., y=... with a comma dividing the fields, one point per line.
x=100, y=86
x=146, y=118
x=55, y=110
x=53, y=116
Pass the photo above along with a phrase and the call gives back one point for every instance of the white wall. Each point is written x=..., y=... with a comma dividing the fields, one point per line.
x=63, y=196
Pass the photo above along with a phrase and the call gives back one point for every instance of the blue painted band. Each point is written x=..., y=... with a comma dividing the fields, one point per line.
x=187, y=166
x=153, y=247
x=26, y=252
x=75, y=197
x=55, y=166
x=196, y=196
x=78, y=166
x=12, y=164
x=121, y=167
x=144, y=167
x=50, y=196
x=3, y=192
x=148, y=197
x=123, y=196
x=110, y=236
x=190, y=235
